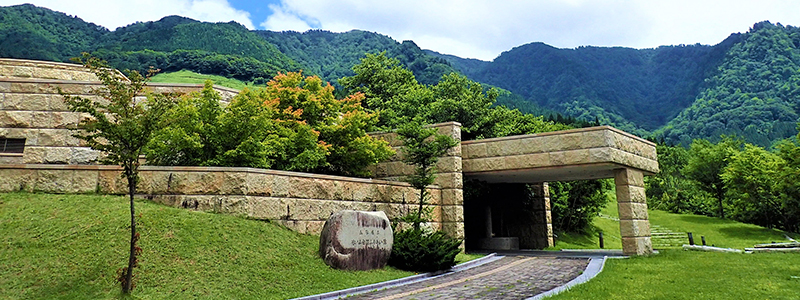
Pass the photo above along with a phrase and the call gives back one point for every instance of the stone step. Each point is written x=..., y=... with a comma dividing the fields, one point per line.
x=669, y=233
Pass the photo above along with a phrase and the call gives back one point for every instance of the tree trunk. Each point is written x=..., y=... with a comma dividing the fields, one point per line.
x=720, y=195
x=127, y=285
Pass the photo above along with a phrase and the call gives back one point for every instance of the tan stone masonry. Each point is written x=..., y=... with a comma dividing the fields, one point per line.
x=31, y=108
x=301, y=201
x=449, y=176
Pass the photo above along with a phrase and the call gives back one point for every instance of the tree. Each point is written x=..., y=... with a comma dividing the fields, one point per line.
x=706, y=163
x=789, y=151
x=342, y=123
x=294, y=123
x=389, y=89
x=120, y=126
x=753, y=177
x=422, y=149
x=416, y=249
x=576, y=203
x=670, y=190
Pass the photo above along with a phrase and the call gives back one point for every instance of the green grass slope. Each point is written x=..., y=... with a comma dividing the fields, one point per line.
x=71, y=246
x=185, y=76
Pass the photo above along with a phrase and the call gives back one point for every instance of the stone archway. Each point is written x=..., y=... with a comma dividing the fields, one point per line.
x=580, y=154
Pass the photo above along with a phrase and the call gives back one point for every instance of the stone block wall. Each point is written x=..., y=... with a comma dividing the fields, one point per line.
x=448, y=175
x=32, y=109
x=300, y=201
x=593, y=145
x=22, y=68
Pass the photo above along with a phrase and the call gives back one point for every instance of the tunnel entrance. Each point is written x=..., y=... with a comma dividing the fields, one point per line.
x=506, y=216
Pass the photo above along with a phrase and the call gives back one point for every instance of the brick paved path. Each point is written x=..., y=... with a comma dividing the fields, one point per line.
x=515, y=277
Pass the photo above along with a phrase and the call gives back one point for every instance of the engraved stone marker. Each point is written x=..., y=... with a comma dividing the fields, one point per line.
x=356, y=240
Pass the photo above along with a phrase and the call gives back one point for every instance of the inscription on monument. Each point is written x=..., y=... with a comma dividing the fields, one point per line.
x=356, y=240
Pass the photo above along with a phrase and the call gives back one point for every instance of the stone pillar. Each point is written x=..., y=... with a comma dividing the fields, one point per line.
x=450, y=179
x=542, y=218
x=632, y=205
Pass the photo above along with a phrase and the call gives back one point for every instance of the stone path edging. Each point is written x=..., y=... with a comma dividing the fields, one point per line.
x=402, y=281
x=595, y=267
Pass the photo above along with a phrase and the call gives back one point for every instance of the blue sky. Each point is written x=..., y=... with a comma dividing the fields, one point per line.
x=259, y=10
x=468, y=28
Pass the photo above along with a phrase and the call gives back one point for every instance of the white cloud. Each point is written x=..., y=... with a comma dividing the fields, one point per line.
x=482, y=29
x=471, y=28
x=113, y=14
x=282, y=20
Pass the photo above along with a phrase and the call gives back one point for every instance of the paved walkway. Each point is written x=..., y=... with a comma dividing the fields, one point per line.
x=511, y=277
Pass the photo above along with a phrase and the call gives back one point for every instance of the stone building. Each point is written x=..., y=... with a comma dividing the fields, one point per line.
x=38, y=153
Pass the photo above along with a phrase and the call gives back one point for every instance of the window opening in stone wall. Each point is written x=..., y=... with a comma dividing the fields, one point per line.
x=12, y=145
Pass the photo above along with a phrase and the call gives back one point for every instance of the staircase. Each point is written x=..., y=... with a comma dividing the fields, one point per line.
x=664, y=238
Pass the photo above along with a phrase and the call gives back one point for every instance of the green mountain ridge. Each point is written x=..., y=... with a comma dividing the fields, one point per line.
x=754, y=94
x=746, y=85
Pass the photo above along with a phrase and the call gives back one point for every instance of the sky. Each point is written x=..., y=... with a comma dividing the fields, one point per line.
x=479, y=29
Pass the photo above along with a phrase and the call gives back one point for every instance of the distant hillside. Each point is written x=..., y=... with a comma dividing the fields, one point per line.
x=332, y=55
x=629, y=88
x=31, y=32
x=754, y=94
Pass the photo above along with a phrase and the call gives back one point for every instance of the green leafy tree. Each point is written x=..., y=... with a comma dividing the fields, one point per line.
x=388, y=88
x=249, y=132
x=576, y=203
x=669, y=189
x=422, y=147
x=120, y=126
x=295, y=123
x=416, y=249
x=753, y=178
x=789, y=151
x=706, y=163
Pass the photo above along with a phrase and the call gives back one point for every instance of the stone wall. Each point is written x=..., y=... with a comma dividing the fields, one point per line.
x=300, y=201
x=32, y=109
x=22, y=68
x=448, y=175
x=568, y=147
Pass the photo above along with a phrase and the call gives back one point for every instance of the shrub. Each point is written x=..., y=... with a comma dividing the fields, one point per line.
x=420, y=251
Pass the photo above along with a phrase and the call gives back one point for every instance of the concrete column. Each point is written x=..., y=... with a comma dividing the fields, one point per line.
x=632, y=205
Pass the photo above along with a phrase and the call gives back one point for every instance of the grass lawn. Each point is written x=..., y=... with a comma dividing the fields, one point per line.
x=719, y=232
x=71, y=246
x=678, y=274
x=185, y=76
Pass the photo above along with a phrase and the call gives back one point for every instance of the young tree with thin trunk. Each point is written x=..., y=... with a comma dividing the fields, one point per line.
x=119, y=126
x=422, y=148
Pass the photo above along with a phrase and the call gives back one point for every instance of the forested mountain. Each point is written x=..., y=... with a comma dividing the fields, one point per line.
x=746, y=85
x=628, y=88
x=332, y=55
x=754, y=94
x=31, y=32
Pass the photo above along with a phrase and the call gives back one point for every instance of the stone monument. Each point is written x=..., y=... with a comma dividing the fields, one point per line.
x=356, y=240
